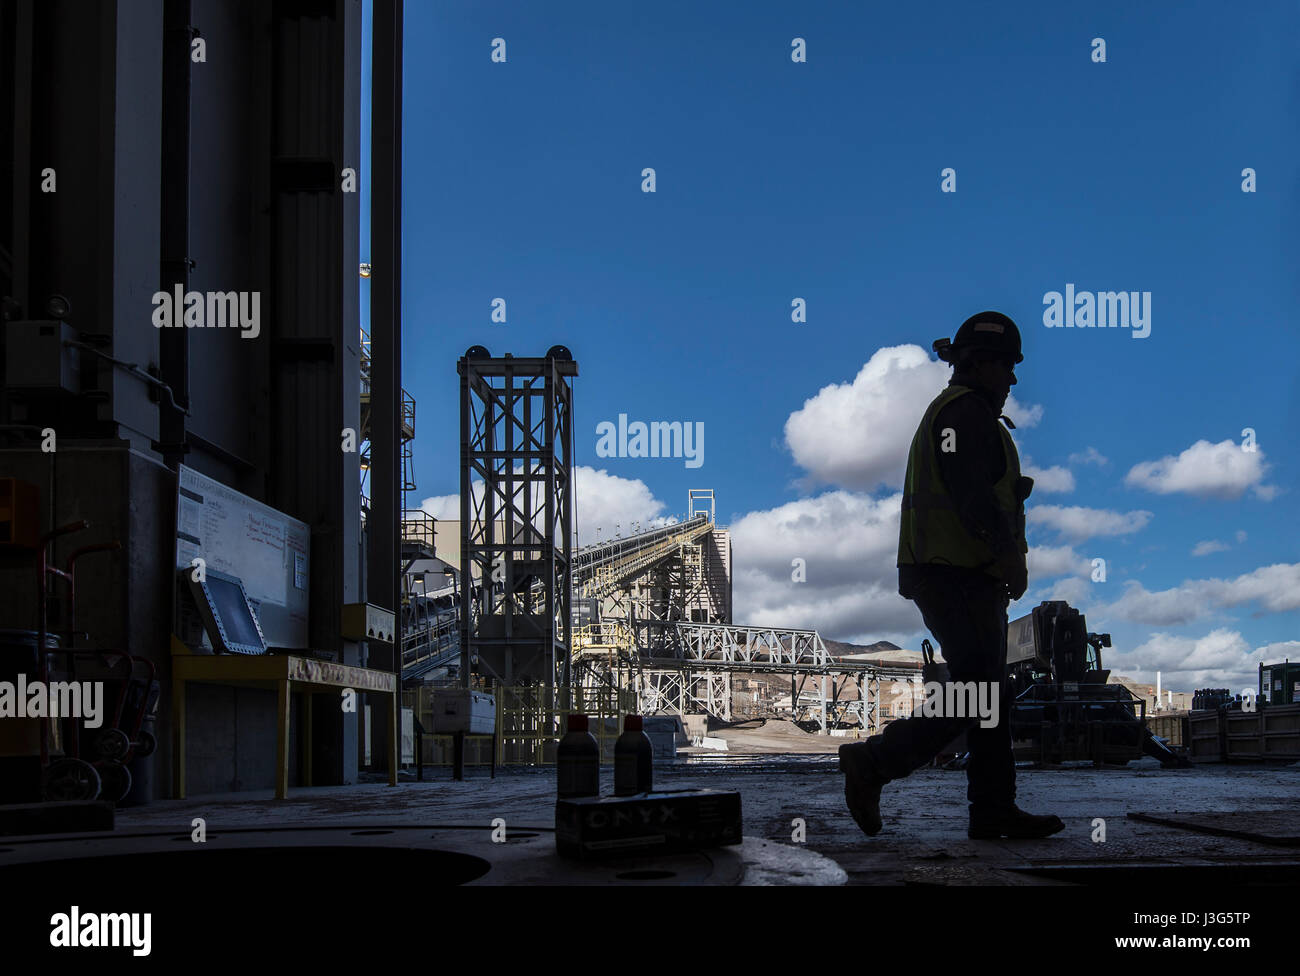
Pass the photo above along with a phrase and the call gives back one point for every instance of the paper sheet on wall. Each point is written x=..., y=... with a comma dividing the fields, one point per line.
x=238, y=535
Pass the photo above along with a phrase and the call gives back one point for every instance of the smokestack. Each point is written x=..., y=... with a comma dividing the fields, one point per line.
x=1157, y=689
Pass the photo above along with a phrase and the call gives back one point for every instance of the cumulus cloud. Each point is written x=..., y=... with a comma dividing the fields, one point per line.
x=1077, y=591
x=1274, y=588
x=1023, y=415
x=1090, y=456
x=1076, y=523
x=1177, y=605
x=601, y=501
x=1221, y=658
x=1049, y=561
x=856, y=435
x=1240, y=536
x=1048, y=480
x=848, y=543
x=1208, y=546
x=447, y=507
x=1223, y=470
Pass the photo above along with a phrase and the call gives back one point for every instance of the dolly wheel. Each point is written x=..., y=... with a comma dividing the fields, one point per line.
x=147, y=744
x=70, y=779
x=112, y=744
x=116, y=780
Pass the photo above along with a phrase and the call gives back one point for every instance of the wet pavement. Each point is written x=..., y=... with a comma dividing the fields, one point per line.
x=796, y=823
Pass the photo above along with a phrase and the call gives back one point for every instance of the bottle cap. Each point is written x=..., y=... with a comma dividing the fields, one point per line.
x=632, y=723
x=577, y=722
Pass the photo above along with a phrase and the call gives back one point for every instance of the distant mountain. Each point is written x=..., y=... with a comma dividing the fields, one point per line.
x=841, y=648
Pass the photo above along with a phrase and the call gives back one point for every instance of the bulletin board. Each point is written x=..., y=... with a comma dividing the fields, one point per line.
x=266, y=549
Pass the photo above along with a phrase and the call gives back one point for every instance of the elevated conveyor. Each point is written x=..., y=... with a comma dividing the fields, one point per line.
x=603, y=569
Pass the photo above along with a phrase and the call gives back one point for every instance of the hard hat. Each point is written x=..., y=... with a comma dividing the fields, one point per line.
x=989, y=330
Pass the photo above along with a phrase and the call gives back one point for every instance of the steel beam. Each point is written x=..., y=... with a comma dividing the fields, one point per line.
x=314, y=93
x=174, y=243
x=384, y=521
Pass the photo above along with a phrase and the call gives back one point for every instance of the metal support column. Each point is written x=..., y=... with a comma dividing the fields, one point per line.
x=314, y=321
x=174, y=344
x=383, y=524
x=516, y=498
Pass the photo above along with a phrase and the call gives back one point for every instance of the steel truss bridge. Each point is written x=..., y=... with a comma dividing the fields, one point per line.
x=635, y=598
x=650, y=586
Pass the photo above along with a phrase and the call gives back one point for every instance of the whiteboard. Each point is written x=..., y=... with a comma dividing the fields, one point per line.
x=266, y=549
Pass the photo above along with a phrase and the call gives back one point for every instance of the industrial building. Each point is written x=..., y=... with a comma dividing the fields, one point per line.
x=201, y=187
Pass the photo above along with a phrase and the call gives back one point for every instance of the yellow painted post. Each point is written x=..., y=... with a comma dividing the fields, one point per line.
x=394, y=738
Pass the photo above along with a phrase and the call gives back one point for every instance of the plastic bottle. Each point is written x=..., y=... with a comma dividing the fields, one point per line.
x=633, y=759
x=577, y=761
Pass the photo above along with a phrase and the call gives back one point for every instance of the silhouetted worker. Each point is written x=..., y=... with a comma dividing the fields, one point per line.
x=961, y=558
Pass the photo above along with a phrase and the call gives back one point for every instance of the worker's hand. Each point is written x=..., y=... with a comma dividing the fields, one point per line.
x=1011, y=569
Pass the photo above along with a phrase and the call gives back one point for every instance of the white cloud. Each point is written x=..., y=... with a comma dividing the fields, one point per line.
x=601, y=500
x=1049, y=561
x=1208, y=546
x=1221, y=470
x=1022, y=415
x=445, y=507
x=1048, y=480
x=1221, y=658
x=1090, y=456
x=849, y=544
x=604, y=500
x=856, y=435
x=1077, y=591
x=1177, y=605
x=1274, y=588
x=1240, y=536
x=1076, y=523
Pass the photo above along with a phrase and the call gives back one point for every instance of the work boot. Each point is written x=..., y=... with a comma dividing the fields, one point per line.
x=1014, y=823
x=862, y=786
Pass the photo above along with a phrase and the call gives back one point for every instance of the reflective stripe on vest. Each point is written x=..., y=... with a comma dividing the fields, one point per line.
x=930, y=531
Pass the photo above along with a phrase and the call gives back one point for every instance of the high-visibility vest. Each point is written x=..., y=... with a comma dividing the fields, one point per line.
x=930, y=530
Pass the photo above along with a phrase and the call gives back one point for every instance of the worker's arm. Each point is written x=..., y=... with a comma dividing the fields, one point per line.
x=971, y=471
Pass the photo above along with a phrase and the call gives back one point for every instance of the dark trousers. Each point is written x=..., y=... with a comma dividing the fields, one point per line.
x=967, y=614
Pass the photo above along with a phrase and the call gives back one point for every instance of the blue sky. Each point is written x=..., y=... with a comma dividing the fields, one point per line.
x=821, y=180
